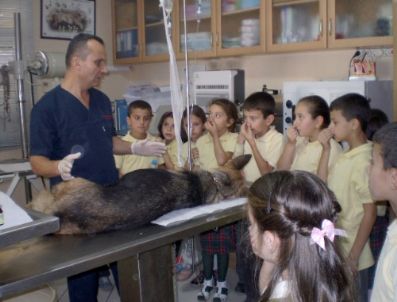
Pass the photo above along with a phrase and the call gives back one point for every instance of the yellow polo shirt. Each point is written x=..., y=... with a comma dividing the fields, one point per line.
x=385, y=284
x=307, y=155
x=270, y=146
x=184, y=154
x=349, y=181
x=205, y=146
x=131, y=162
x=172, y=150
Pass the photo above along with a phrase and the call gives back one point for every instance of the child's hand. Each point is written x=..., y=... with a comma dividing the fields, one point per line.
x=292, y=134
x=247, y=132
x=166, y=154
x=241, y=136
x=353, y=264
x=211, y=127
x=324, y=138
x=195, y=153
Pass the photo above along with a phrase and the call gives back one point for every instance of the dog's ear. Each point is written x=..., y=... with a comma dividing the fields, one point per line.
x=240, y=161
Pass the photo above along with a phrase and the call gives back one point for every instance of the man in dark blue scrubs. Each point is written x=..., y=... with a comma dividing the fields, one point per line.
x=72, y=135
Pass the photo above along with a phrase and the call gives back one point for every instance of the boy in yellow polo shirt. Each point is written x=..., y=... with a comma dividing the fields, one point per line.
x=258, y=137
x=348, y=178
x=138, y=119
x=383, y=186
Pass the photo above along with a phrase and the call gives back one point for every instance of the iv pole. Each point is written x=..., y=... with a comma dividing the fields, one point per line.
x=20, y=87
x=19, y=70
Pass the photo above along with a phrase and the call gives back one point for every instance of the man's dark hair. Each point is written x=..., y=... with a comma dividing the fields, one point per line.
x=353, y=106
x=78, y=45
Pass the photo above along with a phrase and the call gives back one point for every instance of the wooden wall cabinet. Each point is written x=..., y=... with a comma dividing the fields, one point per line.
x=315, y=24
x=200, y=27
x=360, y=23
x=218, y=28
x=241, y=27
x=138, y=32
x=222, y=28
x=126, y=33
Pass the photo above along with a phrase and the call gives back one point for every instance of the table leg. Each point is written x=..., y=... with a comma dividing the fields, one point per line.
x=147, y=276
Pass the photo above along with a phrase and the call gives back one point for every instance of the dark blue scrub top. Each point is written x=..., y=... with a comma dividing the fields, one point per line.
x=61, y=125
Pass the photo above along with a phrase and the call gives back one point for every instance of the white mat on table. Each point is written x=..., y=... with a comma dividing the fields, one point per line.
x=181, y=215
x=13, y=214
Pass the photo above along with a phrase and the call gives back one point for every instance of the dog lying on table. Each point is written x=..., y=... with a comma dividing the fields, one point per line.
x=84, y=207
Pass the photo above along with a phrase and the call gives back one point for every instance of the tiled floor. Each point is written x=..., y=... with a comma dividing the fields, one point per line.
x=187, y=292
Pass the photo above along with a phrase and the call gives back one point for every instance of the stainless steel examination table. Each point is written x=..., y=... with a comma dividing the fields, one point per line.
x=144, y=257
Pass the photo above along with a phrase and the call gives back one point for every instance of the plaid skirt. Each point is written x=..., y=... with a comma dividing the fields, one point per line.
x=219, y=241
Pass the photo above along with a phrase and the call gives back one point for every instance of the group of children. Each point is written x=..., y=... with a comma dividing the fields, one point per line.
x=305, y=189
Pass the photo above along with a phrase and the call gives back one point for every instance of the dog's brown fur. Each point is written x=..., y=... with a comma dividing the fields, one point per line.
x=140, y=197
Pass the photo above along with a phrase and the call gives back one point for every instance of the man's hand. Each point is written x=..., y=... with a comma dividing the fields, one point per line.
x=148, y=148
x=66, y=164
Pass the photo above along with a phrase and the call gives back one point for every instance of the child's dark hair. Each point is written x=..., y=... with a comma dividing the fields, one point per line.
x=139, y=104
x=386, y=137
x=230, y=110
x=317, y=106
x=196, y=111
x=161, y=121
x=262, y=101
x=290, y=204
x=353, y=106
x=377, y=119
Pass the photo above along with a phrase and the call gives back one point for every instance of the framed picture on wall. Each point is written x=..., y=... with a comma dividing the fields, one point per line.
x=63, y=19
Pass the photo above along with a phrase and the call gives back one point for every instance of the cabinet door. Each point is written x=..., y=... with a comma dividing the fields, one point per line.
x=296, y=24
x=200, y=28
x=153, y=32
x=356, y=23
x=241, y=27
x=125, y=31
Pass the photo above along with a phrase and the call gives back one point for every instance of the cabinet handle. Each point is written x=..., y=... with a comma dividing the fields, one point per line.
x=330, y=27
x=320, y=29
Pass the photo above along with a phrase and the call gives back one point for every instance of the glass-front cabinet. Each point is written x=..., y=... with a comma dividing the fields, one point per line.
x=155, y=43
x=200, y=28
x=125, y=31
x=138, y=31
x=296, y=24
x=241, y=27
x=355, y=23
x=221, y=27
